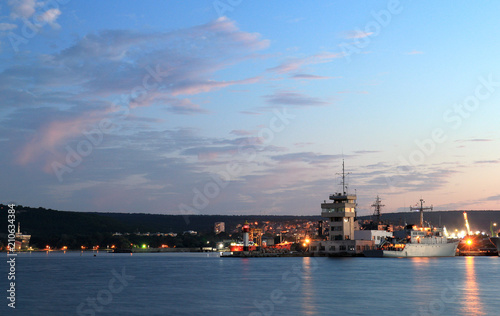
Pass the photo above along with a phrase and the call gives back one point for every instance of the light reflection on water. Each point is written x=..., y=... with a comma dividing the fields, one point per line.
x=472, y=298
x=309, y=295
x=194, y=284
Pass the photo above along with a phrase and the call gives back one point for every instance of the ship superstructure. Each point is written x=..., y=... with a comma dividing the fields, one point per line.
x=416, y=241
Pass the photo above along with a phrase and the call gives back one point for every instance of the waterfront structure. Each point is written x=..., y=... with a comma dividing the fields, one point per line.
x=341, y=214
x=376, y=235
x=245, y=230
x=22, y=241
x=257, y=234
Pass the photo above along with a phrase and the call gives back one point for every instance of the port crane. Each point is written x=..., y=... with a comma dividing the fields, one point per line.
x=467, y=223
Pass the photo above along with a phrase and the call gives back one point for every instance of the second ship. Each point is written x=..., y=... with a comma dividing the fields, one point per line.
x=416, y=241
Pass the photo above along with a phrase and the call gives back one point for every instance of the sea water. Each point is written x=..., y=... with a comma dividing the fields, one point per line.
x=100, y=283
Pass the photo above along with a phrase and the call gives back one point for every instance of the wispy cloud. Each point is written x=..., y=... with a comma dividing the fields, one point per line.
x=241, y=132
x=473, y=140
x=362, y=152
x=307, y=157
x=293, y=64
x=137, y=69
x=355, y=34
x=250, y=113
x=352, y=92
x=311, y=77
x=293, y=99
x=7, y=26
x=26, y=9
x=414, y=52
x=487, y=161
x=493, y=198
x=22, y=8
x=50, y=16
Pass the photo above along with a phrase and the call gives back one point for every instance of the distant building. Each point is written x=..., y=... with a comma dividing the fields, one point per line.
x=219, y=227
x=22, y=241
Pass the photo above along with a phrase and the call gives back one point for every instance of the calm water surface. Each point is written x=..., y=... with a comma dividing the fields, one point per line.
x=75, y=283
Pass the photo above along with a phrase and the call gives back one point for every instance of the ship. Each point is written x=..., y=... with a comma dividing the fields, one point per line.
x=496, y=242
x=416, y=241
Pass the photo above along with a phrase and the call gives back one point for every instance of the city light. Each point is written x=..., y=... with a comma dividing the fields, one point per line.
x=469, y=242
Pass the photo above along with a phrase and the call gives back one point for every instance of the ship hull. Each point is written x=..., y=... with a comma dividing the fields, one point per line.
x=496, y=242
x=417, y=250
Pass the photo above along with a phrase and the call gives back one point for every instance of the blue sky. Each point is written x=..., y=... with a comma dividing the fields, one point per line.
x=240, y=107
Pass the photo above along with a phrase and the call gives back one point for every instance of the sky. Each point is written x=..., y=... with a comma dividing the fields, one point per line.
x=249, y=107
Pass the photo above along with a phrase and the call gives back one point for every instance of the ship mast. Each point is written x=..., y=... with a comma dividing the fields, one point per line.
x=344, y=185
x=377, y=205
x=421, y=209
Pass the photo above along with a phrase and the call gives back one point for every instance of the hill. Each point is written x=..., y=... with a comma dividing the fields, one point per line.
x=47, y=225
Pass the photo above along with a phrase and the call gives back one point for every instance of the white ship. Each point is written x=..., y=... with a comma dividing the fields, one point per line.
x=416, y=241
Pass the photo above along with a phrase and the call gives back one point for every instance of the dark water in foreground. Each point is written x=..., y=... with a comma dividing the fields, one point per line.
x=194, y=284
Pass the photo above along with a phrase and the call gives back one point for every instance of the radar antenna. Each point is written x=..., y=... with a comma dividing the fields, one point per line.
x=421, y=209
x=377, y=205
x=344, y=184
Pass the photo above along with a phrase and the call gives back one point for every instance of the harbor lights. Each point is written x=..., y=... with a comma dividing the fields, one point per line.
x=469, y=242
x=306, y=243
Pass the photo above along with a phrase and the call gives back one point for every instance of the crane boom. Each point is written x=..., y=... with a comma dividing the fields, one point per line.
x=467, y=223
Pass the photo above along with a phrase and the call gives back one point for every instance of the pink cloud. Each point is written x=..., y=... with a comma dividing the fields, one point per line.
x=295, y=63
x=46, y=142
x=206, y=86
